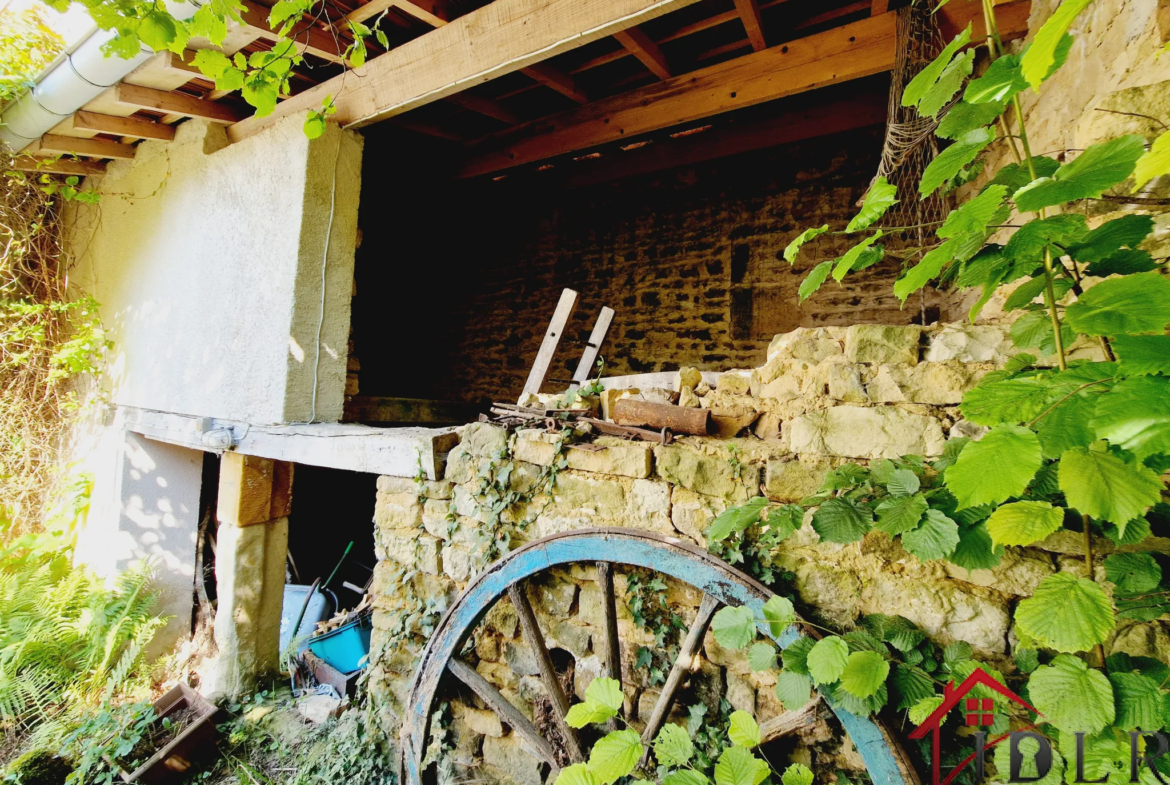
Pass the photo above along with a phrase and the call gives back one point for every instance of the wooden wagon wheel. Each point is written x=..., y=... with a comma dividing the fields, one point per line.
x=720, y=583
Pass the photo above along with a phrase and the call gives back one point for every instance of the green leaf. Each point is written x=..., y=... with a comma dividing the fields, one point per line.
x=685, y=777
x=926, y=270
x=1072, y=696
x=734, y=627
x=1033, y=330
x=900, y=514
x=1036, y=63
x=743, y=730
x=926, y=79
x=965, y=116
x=1029, y=241
x=826, y=660
x=878, y=200
x=1137, y=702
x=1106, y=487
x=1142, y=354
x=850, y=258
x=864, y=672
x=1133, y=573
x=913, y=685
x=797, y=774
x=737, y=766
x=1123, y=262
x=1024, y=523
x=210, y=62
x=1029, y=771
x=736, y=519
x=948, y=163
x=1026, y=292
x=615, y=755
x=314, y=126
x=974, y=214
x=793, y=689
x=995, y=468
x=1090, y=174
x=1154, y=163
x=157, y=30
x=949, y=83
x=999, y=83
x=903, y=483
x=577, y=774
x=1133, y=304
x=1111, y=236
x=842, y=520
x=975, y=550
x=605, y=691
x=1011, y=401
x=1016, y=176
x=779, y=614
x=1136, y=416
x=672, y=746
x=587, y=713
x=920, y=711
x=762, y=657
x=936, y=538
x=795, y=657
x=1066, y=613
x=814, y=279
x=793, y=248
x=282, y=11
x=1067, y=426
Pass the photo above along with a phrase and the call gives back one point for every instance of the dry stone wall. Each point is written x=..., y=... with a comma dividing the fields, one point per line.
x=825, y=396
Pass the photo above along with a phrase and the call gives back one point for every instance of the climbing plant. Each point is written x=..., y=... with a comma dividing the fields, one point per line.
x=1071, y=444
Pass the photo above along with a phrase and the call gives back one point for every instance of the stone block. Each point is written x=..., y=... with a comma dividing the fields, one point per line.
x=1018, y=573
x=706, y=474
x=855, y=432
x=461, y=466
x=940, y=383
x=707, y=684
x=588, y=669
x=487, y=647
x=689, y=377
x=502, y=618
x=741, y=693
x=434, y=518
x=553, y=596
x=421, y=551
x=732, y=659
x=649, y=507
x=428, y=489
x=568, y=636
x=844, y=382
x=484, y=439
x=520, y=659
x=734, y=383
x=534, y=450
x=811, y=344
x=513, y=758
x=879, y=343
x=499, y=674
x=253, y=490
x=691, y=513
x=398, y=511
x=834, y=593
x=970, y=343
x=458, y=562
x=941, y=609
x=591, y=611
x=791, y=481
x=618, y=457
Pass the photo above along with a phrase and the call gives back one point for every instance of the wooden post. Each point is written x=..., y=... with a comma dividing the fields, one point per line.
x=548, y=347
x=589, y=356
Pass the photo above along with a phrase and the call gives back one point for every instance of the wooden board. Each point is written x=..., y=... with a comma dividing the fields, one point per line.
x=749, y=12
x=548, y=347
x=499, y=38
x=596, y=339
x=123, y=126
x=28, y=163
x=644, y=48
x=93, y=148
x=174, y=103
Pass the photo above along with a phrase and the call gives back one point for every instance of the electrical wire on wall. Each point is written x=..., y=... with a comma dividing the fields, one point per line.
x=324, y=266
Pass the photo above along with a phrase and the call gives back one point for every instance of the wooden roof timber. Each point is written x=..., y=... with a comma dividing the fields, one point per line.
x=91, y=148
x=749, y=12
x=136, y=127
x=175, y=103
x=499, y=38
x=644, y=48
x=28, y=163
x=841, y=54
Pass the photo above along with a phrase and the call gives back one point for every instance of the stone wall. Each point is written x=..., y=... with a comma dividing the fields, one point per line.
x=824, y=396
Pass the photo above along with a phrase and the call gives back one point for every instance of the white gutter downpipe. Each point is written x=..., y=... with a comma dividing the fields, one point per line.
x=79, y=76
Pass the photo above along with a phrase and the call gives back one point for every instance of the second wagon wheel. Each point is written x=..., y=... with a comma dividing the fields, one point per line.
x=720, y=584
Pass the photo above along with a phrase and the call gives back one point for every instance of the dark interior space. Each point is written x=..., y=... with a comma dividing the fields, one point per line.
x=681, y=233
x=330, y=509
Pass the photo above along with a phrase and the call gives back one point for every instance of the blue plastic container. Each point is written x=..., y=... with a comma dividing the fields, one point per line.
x=320, y=608
x=346, y=647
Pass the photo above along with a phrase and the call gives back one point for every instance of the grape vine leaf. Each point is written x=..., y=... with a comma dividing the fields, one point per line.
x=1066, y=613
x=995, y=468
x=1016, y=176
x=827, y=659
x=762, y=657
x=1133, y=573
x=1023, y=523
x=948, y=163
x=1026, y=292
x=793, y=248
x=779, y=614
x=936, y=538
x=1123, y=262
x=736, y=519
x=1090, y=174
x=1036, y=63
x=672, y=746
x=1153, y=164
x=1136, y=416
x=615, y=755
x=1133, y=304
x=1137, y=701
x=1104, y=486
x=734, y=627
x=1072, y=696
x=797, y=774
x=842, y=520
x=737, y=766
x=974, y=215
x=814, y=279
x=1138, y=355
x=743, y=730
x=603, y=700
x=1033, y=330
x=864, y=673
x=793, y=689
x=900, y=514
x=881, y=196
x=949, y=82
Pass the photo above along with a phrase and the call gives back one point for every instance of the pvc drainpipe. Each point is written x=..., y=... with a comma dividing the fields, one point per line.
x=79, y=76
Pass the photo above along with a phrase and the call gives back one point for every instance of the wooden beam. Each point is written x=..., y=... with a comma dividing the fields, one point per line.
x=122, y=126
x=557, y=80
x=93, y=148
x=878, y=7
x=180, y=64
x=174, y=103
x=306, y=35
x=486, y=106
x=496, y=39
x=364, y=12
x=842, y=54
x=644, y=48
x=433, y=12
x=27, y=163
x=749, y=12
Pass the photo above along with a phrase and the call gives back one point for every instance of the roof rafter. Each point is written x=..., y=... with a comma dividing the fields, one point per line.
x=122, y=126
x=174, y=103
x=749, y=12
x=92, y=148
x=643, y=47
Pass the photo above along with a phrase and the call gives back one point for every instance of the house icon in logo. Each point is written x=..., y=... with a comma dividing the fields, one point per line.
x=977, y=712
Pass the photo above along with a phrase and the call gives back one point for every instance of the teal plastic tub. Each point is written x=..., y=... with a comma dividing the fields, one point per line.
x=346, y=647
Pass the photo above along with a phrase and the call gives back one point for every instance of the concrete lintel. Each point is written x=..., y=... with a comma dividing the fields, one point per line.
x=397, y=452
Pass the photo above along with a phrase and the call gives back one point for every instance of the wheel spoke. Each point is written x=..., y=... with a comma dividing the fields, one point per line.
x=506, y=711
x=613, y=651
x=682, y=665
x=791, y=721
x=548, y=674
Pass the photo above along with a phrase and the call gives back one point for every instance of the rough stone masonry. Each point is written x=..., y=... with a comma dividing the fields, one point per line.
x=825, y=396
